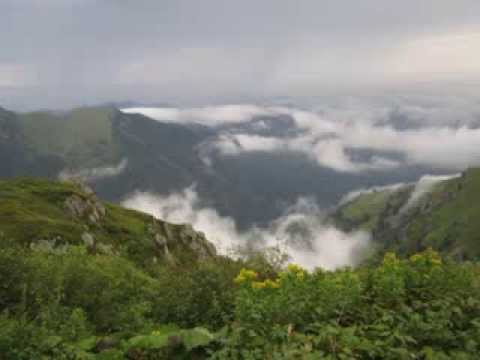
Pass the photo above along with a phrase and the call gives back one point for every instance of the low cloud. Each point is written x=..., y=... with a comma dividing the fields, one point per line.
x=93, y=174
x=300, y=232
x=440, y=135
x=208, y=115
x=420, y=188
x=425, y=185
x=352, y=195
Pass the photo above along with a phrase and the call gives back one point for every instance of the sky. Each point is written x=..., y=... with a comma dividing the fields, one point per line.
x=62, y=53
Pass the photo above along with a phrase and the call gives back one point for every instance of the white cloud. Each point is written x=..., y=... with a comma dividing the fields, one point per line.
x=209, y=115
x=424, y=186
x=442, y=134
x=352, y=195
x=16, y=75
x=92, y=174
x=301, y=232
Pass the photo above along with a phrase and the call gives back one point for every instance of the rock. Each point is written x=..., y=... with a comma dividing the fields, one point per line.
x=162, y=244
x=88, y=239
x=85, y=207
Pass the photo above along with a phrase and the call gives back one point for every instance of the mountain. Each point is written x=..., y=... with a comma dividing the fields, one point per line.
x=41, y=213
x=119, y=153
x=409, y=219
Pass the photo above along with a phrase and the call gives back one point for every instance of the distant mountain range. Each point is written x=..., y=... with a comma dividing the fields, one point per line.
x=118, y=153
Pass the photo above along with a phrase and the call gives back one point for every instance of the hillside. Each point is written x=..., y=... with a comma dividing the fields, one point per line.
x=35, y=212
x=117, y=153
x=445, y=218
x=83, y=279
x=83, y=137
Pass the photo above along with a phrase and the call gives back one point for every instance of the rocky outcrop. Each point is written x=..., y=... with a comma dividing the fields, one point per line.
x=167, y=237
x=65, y=214
x=85, y=206
x=197, y=242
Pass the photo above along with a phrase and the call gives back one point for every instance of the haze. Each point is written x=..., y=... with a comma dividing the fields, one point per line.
x=63, y=53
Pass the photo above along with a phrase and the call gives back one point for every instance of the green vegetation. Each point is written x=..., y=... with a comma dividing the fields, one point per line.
x=83, y=136
x=419, y=308
x=69, y=304
x=42, y=213
x=364, y=212
x=445, y=218
x=80, y=279
x=449, y=218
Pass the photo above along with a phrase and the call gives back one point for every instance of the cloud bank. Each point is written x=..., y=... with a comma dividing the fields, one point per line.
x=425, y=185
x=300, y=232
x=77, y=52
x=356, y=136
x=93, y=174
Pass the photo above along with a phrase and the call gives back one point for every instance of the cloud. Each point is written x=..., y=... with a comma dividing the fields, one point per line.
x=355, y=136
x=93, y=174
x=352, y=195
x=209, y=115
x=16, y=75
x=300, y=232
x=424, y=186
x=84, y=51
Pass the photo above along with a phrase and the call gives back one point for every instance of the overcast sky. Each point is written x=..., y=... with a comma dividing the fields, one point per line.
x=57, y=53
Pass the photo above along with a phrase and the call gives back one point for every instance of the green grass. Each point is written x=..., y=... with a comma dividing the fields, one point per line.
x=453, y=222
x=365, y=210
x=34, y=209
x=83, y=136
x=446, y=219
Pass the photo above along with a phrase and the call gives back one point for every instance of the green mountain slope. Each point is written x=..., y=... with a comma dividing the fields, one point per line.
x=83, y=136
x=37, y=212
x=446, y=218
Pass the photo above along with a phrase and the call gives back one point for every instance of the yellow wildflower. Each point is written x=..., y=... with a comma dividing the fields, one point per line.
x=390, y=259
x=245, y=275
x=300, y=275
x=272, y=284
x=429, y=256
x=258, y=285
x=415, y=258
x=294, y=268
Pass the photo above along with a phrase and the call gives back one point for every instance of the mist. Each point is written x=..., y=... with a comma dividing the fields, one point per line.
x=357, y=135
x=70, y=53
x=423, y=186
x=301, y=232
x=96, y=173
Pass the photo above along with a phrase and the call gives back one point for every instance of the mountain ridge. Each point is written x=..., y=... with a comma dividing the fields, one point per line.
x=444, y=218
x=38, y=212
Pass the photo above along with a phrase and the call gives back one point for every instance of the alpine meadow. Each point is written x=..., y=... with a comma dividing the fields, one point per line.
x=254, y=180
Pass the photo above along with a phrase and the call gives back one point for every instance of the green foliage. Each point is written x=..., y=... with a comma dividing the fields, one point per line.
x=444, y=218
x=82, y=136
x=61, y=304
x=200, y=295
x=402, y=309
x=33, y=212
x=67, y=300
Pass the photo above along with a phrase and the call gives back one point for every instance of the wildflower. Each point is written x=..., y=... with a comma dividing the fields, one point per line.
x=294, y=268
x=415, y=258
x=429, y=256
x=258, y=285
x=272, y=284
x=390, y=259
x=245, y=275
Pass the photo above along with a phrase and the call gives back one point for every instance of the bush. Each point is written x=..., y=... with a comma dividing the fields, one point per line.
x=415, y=308
x=203, y=295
